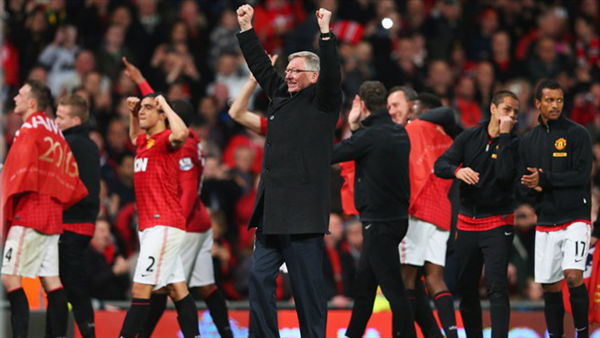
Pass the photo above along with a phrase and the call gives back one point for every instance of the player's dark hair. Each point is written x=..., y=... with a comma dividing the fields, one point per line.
x=374, y=94
x=545, y=84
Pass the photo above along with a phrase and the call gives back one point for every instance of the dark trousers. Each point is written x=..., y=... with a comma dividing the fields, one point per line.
x=491, y=250
x=72, y=269
x=303, y=255
x=379, y=264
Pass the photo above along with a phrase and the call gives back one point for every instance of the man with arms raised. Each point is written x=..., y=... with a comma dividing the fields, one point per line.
x=292, y=204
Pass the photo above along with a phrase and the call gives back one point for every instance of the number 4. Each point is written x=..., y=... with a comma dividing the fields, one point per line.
x=8, y=255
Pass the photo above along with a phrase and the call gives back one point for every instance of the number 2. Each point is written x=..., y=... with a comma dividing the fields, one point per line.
x=149, y=268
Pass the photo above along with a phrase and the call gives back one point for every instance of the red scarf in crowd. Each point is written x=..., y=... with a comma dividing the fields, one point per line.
x=40, y=160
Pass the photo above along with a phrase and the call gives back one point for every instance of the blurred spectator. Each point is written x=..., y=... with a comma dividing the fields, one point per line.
x=485, y=84
x=443, y=28
x=93, y=20
x=586, y=106
x=111, y=51
x=439, y=79
x=273, y=19
x=465, y=102
x=545, y=62
x=480, y=39
x=108, y=270
x=85, y=62
x=231, y=73
x=222, y=38
x=59, y=57
x=354, y=239
x=338, y=264
x=505, y=66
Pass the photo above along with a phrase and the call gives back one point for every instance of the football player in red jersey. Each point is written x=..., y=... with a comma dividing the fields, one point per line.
x=161, y=219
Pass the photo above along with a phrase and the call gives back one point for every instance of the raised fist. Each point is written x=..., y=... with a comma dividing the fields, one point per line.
x=133, y=103
x=244, y=15
x=323, y=18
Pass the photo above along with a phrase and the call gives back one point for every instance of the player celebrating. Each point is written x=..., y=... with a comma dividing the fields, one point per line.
x=40, y=178
x=161, y=220
x=196, y=248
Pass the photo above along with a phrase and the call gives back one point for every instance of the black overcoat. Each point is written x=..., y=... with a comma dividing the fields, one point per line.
x=294, y=190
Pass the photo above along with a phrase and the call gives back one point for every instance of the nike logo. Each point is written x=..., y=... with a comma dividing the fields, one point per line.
x=145, y=275
x=578, y=260
x=507, y=233
x=368, y=226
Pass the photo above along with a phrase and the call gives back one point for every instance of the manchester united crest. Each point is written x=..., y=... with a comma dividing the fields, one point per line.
x=560, y=144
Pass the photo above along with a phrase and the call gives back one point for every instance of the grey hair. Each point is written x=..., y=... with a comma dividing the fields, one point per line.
x=409, y=93
x=311, y=60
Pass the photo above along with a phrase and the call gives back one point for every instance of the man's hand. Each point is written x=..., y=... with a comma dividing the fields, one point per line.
x=467, y=175
x=354, y=114
x=532, y=180
x=133, y=103
x=506, y=124
x=161, y=103
x=323, y=18
x=133, y=72
x=244, y=15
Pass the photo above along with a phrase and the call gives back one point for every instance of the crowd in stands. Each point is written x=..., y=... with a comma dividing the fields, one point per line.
x=460, y=50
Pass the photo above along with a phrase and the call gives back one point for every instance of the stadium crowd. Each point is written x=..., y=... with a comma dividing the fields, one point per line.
x=462, y=51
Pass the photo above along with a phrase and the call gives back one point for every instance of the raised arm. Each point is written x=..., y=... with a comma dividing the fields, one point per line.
x=133, y=103
x=136, y=76
x=239, y=108
x=329, y=88
x=258, y=61
x=179, y=131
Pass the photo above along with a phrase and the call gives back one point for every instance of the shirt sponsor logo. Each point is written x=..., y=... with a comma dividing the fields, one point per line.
x=185, y=164
x=560, y=144
x=559, y=154
x=140, y=165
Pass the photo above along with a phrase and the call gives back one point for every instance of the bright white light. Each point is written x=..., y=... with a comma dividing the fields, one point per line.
x=387, y=23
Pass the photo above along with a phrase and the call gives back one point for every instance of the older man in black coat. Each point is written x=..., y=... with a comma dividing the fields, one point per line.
x=292, y=205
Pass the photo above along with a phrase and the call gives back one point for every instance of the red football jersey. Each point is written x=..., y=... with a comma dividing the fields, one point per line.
x=191, y=166
x=40, y=212
x=156, y=185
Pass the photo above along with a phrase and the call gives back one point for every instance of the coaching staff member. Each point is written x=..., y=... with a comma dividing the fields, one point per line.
x=292, y=204
x=557, y=165
x=380, y=149
x=483, y=158
x=78, y=221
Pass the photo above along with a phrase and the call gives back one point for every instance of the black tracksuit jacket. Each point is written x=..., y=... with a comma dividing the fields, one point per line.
x=87, y=157
x=495, y=161
x=380, y=149
x=563, y=151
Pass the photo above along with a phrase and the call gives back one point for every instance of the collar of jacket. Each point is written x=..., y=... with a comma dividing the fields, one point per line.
x=78, y=129
x=551, y=123
x=377, y=117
